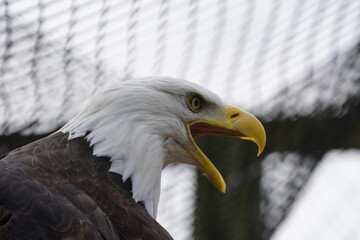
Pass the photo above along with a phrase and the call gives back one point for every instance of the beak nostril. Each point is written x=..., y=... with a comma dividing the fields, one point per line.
x=235, y=115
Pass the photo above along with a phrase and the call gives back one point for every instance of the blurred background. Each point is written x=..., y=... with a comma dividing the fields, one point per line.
x=293, y=63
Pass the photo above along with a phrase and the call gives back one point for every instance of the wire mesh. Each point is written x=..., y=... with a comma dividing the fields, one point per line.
x=261, y=48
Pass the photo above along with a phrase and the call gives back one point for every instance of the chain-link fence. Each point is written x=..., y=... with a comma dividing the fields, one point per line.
x=293, y=63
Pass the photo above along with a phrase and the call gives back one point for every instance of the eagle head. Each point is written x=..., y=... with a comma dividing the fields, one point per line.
x=145, y=124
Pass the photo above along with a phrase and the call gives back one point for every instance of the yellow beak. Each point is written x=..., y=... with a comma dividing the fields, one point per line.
x=233, y=123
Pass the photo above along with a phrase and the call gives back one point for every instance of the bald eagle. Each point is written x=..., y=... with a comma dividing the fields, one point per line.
x=98, y=177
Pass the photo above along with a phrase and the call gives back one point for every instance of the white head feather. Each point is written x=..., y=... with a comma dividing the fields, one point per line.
x=140, y=125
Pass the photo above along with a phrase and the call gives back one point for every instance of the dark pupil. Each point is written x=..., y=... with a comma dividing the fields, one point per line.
x=196, y=103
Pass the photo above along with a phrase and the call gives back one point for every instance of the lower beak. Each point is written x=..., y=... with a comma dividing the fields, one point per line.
x=234, y=123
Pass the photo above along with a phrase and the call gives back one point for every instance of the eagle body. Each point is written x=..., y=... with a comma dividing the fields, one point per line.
x=56, y=188
x=99, y=176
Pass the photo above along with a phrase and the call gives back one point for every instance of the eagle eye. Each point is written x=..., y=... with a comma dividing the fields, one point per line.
x=195, y=103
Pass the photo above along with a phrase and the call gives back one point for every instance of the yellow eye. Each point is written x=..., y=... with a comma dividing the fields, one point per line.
x=195, y=103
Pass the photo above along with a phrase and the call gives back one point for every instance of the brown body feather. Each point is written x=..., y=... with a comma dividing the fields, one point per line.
x=56, y=189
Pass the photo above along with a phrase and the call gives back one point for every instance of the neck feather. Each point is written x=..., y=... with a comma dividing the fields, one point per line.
x=135, y=152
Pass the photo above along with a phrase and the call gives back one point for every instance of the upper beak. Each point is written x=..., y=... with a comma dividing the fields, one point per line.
x=233, y=123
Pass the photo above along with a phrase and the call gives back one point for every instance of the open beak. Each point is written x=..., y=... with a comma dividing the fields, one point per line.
x=234, y=123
